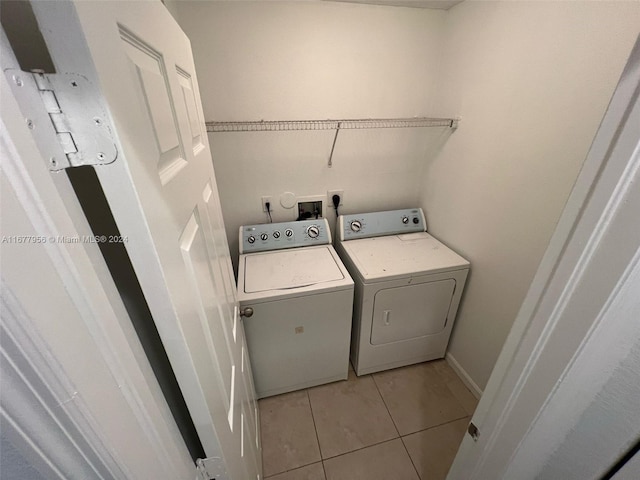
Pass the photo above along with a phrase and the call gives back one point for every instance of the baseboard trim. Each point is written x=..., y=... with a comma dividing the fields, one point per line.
x=464, y=376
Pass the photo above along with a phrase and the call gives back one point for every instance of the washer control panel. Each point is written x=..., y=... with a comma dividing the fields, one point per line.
x=378, y=224
x=276, y=236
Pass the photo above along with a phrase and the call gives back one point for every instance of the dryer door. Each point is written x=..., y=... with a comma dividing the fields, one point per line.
x=411, y=311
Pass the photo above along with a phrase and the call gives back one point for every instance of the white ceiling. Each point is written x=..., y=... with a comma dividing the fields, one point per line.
x=440, y=4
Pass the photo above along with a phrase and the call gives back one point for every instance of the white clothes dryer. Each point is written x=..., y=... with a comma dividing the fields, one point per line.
x=408, y=287
x=302, y=297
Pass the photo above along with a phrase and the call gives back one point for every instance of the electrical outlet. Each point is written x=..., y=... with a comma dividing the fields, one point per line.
x=331, y=193
x=266, y=200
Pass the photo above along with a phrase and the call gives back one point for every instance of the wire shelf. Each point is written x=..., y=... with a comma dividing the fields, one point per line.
x=337, y=125
x=347, y=124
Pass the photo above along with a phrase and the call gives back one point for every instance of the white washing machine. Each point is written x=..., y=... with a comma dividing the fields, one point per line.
x=302, y=298
x=407, y=288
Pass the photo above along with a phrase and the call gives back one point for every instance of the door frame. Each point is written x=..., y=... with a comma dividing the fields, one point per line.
x=44, y=363
x=526, y=389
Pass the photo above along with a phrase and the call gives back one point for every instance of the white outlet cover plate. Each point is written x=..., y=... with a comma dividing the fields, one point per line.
x=265, y=199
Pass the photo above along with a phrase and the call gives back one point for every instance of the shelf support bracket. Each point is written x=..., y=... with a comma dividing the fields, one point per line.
x=330, y=164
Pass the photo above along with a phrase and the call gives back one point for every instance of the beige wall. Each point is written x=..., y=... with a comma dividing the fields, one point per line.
x=172, y=6
x=531, y=81
x=315, y=60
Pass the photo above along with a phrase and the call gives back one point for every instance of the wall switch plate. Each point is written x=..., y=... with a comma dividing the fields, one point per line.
x=331, y=193
x=264, y=203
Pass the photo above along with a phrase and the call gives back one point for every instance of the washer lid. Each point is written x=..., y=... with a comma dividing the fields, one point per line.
x=285, y=269
x=399, y=255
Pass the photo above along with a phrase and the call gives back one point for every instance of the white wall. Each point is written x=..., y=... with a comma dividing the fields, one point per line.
x=172, y=6
x=531, y=81
x=314, y=60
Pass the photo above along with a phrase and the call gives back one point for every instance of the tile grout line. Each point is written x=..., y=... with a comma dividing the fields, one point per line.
x=362, y=448
x=292, y=470
x=385, y=405
x=317, y=440
x=396, y=427
x=380, y=443
x=424, y=429
x=438, y=425
x=315, y=429
x=399, y=436
x=410, y=458
x=368, y=446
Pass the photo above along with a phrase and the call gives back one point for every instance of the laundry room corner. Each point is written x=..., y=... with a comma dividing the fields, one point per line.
x=315, y=60
x=531, y=82
x=320, y=239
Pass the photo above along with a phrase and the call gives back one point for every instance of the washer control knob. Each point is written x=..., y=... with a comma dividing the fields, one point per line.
x=356, y=226
x=263, y=236
x=288, y=233
x=405, y=219
x=313, y=231
x=251, y=239
x=276, y=234
x=415, y=220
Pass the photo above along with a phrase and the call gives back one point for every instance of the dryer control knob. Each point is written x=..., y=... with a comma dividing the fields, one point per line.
x=251, y=239
x=405, y=220
x=264, y=236
x=356, y=226
x=415, y=220
x=288, y=233
x=276, y=234
x=313, y=231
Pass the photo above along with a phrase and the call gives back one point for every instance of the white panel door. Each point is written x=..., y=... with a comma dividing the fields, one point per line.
x=162, y=192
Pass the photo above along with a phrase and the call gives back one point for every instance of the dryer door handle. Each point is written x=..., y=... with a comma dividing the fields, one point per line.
x=386, y=317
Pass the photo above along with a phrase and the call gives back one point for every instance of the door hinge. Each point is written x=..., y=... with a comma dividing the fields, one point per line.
x=65, y=114
x=473, y=431
x=212, y=468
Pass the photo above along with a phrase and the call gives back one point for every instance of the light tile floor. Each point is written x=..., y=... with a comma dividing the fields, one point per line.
x=402, y=424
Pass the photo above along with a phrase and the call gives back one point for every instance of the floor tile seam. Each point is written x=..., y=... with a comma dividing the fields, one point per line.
x=315, y=430
x=294, y=469
x=386, y=406
x=410, y=458
x=347, y=393
x=436, y=426
x=362, y=448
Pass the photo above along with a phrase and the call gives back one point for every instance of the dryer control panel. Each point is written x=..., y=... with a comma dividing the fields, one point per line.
x=378, y=224
x=276, y=236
